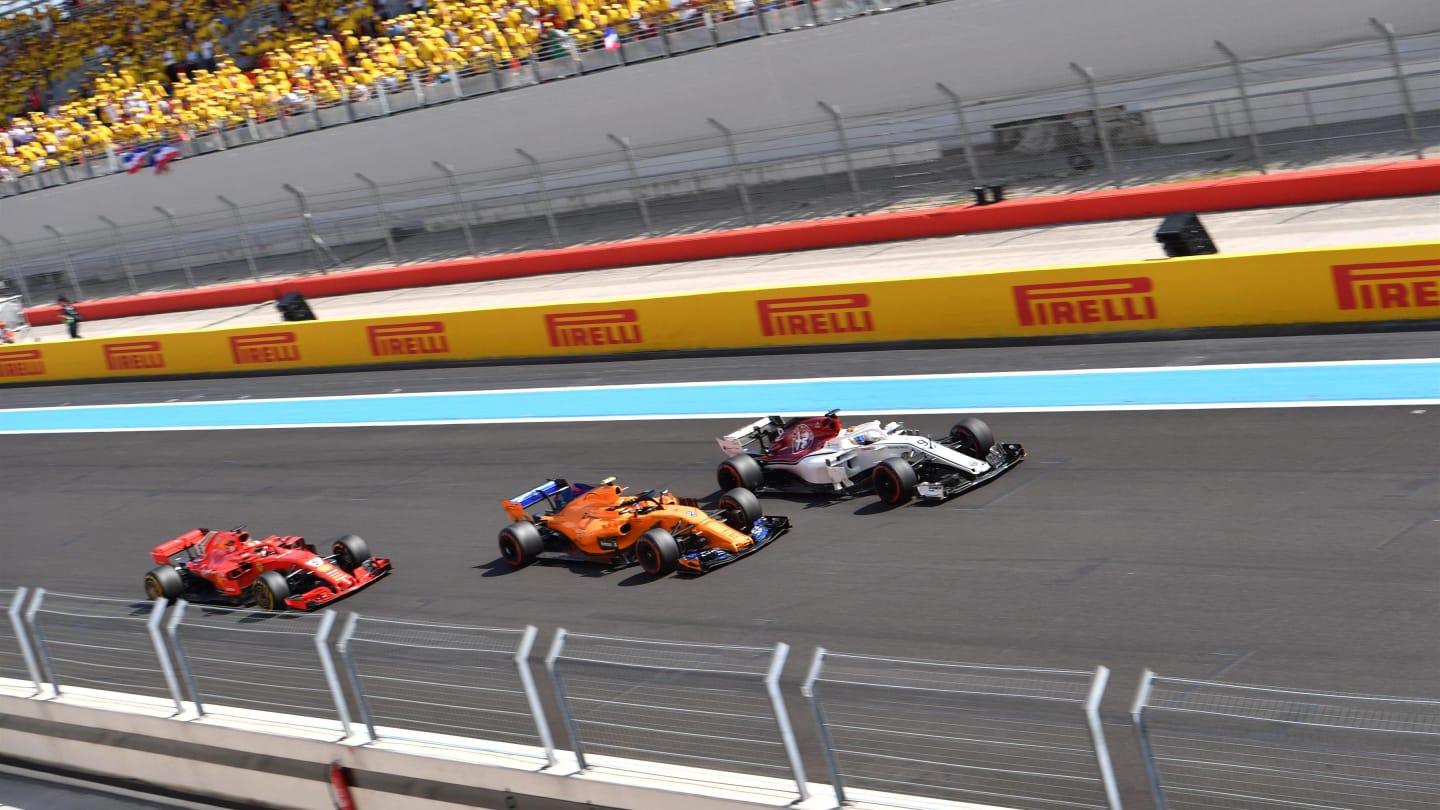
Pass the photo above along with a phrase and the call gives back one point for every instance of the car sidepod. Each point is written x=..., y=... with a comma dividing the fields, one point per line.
x=764, y=532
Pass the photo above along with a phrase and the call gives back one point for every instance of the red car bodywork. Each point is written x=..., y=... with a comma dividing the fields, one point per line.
x=230, y=561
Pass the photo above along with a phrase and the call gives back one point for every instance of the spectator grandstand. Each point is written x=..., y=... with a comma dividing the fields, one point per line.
x=92, y=77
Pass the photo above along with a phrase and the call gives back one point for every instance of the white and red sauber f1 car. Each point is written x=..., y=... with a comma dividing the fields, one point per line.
x=819, y=454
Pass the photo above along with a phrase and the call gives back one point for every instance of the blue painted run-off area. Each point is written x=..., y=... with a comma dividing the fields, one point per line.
x=1378, y=382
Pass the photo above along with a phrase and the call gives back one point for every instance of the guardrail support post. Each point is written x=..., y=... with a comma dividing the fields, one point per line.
x=532, y=696
x=65, y=259
x=544, y=196
x=352, y=674
x=735, y=165
x=322, y=251
x=807, y=688
x=1244, y=91
x=245, y=246
x=44, y=668
x=1097, y=737
x=1388, y=32
x=965, y=140
x=460, y=208
x=152, y=627
x=22, y=637
x=1137, y=718
x=1097, y=114
x=845, y=148
x=180, y=255
x=124, y=253
x=556, y=648
x=782, y=718
x=187, y=677
x=327, y=665
x=624, y=144
x=381, y=218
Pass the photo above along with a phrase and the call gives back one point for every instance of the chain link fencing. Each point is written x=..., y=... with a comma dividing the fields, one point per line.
x=1372, y=100
x=1005, y=736
x=1219, y=746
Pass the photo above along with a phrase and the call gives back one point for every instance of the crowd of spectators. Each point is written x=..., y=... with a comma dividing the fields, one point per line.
x=159, y=70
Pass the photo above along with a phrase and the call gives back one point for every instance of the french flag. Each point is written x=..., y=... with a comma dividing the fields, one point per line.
x=163, y=156
x=135, y=160
x=612, y=40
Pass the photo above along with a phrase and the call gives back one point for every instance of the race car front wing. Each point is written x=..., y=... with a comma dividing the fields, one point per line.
x=1002, y=457
x=765, y=530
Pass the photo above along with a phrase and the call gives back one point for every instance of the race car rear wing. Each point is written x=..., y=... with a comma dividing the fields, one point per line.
x=736, y=442
x=555, y=493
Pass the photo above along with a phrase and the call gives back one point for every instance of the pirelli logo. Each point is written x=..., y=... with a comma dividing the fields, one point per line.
x=1388, y=285
x=137, y=355
x=601, y=327
x=22, y=363
x=420, y=337
x=1080, y=302
x=816, y=315
x=264, y=349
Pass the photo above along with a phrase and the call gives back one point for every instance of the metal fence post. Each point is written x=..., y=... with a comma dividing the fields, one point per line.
x=315, y=113
x=1388, y=32
x=544, y=196
x=22, y=637
x=418, y=88
x=380, y=216
x=1245, y=104
x=455, y=84
x=459, y=204
x=44, y=668
x=327, y=665
x=1147, y=754
x=152, y=627
x=352, y=674
x=735, y=164
x=563, y=700
x=807, y=688
x=845, y=148
x=321, y=250
x=624, y=144
x=15, y=268
x=782, y=718
x=965, y=142
x=124, y=253
x=65, y=259
x=245, y=247
x=1097, y=737
x=382, y=96
x=532, y=696
x=1101, y=132
x=180, y=255
x=172, y=632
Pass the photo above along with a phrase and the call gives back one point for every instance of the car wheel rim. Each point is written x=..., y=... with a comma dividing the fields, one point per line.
x=885, y=486
x=728, y=478
x=509, y=551
x=649, y=560
x=152, y=588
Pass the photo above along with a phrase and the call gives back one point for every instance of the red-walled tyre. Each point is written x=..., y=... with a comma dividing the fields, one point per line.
x=657, y=552
x=895, y=481
x=521, y=544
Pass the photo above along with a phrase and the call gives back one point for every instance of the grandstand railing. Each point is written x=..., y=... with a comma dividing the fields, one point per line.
x=1360, y=102
x=924, y=731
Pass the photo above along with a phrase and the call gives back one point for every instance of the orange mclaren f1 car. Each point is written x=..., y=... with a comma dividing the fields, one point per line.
x=277, y=572
x=661, y=532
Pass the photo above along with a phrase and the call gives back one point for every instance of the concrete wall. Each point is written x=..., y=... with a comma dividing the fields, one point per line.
x=979, y=48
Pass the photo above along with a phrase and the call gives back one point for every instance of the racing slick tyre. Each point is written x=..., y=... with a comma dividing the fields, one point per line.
x=657, y=552
x=741, y=509
x=740, y=472
x=165, y=582
x=520, y=544
x=270, y=590
x=895, y=481
x=972, y=437
x=351, y=552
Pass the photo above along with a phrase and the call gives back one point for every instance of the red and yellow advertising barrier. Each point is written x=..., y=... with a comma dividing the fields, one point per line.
x=1386, y=283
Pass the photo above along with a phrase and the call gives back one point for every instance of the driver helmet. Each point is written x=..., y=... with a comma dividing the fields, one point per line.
x=861, y=438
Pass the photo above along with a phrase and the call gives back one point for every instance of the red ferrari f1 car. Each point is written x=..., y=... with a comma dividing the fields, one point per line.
x=275, y=573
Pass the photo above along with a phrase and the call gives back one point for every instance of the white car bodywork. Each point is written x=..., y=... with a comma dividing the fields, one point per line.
x=857, y=449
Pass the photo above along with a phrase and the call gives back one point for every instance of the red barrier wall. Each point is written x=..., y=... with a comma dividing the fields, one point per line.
x=1259, y=191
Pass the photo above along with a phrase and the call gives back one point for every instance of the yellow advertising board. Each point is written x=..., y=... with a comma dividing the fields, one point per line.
x=1386, y=283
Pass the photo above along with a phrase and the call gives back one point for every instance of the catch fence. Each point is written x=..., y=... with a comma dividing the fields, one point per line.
x=1361, y=102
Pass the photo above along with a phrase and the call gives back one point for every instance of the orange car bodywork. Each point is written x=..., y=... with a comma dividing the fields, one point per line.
x=602, y=523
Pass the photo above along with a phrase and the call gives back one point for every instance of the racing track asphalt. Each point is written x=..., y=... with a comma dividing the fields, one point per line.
x=1289, y=547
